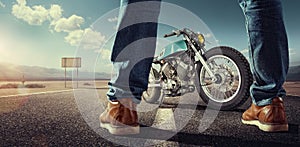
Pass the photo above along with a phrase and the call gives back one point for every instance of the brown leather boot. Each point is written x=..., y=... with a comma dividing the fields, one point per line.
x=269, y=118
x=120, y=117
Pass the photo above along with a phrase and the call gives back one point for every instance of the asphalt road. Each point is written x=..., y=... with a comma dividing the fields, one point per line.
x=71, y=119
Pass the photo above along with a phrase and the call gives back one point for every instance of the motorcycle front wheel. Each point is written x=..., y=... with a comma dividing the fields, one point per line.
x=233, y=78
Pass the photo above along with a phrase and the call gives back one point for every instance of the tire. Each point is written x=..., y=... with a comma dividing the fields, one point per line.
x=152, y=94
x=231, y=89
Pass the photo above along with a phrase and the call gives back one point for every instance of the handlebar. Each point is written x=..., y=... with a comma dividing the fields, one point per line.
x=177, y=32
x=169, y=35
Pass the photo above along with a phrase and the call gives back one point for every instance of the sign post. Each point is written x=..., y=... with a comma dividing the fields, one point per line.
x=74, y=62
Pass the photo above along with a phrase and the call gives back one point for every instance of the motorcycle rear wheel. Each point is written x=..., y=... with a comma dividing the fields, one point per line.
x=153, y=93
x=233, y=79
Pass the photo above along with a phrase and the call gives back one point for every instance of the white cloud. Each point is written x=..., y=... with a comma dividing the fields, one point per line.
x=2, y=4
x=34, y=15
x=74, y=37
x=55, y=12
x=37, y=15
x=208, y=35
x=245, y=51
x=67, y=24
x=92, y=39
x=113, y=19
x=210, y=38
x=104, y=54
x=87, y=38
x=104, y=63
x=292, y=52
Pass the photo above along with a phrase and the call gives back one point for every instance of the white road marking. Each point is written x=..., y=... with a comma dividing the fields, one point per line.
x=37, y=93
x=152, y=142
x=164, y=120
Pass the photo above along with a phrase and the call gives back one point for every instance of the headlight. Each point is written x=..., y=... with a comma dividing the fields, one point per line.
x=201, y=38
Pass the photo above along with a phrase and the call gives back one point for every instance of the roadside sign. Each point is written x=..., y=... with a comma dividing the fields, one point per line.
x=73, y=62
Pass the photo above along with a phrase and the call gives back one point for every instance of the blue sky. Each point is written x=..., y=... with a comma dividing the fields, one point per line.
x=40, y=33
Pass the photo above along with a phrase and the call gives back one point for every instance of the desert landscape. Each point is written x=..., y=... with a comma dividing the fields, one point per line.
x=292, y=87
x=53, y=79
x=13, y=98
x=49, y=86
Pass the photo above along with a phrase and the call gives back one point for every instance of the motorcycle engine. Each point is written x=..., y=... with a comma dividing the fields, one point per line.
x=177, y=68
x=184, y=70
x=168, y=69
x=178, y=76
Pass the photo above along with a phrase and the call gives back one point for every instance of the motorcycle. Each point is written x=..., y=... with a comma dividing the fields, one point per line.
x=221, y=75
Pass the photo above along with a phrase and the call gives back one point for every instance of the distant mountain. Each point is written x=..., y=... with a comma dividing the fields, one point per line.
x=295, y=63
x=294, y=73
x=16, y=72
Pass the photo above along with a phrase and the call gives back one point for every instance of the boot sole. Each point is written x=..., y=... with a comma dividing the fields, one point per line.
x=120, y=130
x=267, y=127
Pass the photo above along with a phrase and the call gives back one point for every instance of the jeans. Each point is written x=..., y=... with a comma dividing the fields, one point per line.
x=133, y=49
x=268, y=49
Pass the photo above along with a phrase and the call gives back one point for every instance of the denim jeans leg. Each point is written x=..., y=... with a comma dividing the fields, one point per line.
x=268, y=49
x=133, y=49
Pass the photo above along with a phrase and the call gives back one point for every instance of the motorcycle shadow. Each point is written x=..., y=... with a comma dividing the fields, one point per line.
x=201, y=106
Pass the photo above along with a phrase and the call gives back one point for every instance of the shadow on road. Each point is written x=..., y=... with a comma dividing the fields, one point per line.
x=204, y=139
x=191, y=106
x=255, y=136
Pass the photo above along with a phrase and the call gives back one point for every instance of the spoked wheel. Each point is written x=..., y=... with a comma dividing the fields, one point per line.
x=233, y=78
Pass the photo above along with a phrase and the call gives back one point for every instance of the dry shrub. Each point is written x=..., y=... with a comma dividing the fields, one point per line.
x=12, y=85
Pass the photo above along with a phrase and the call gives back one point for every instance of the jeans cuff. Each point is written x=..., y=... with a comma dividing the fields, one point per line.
x=115, y=93
x=263, y=102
